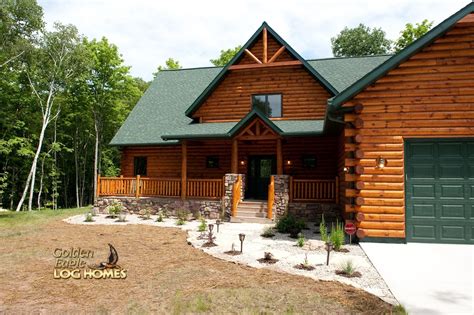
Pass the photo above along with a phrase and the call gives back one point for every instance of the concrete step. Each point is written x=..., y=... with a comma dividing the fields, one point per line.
x=251, y=213
x=240, y=219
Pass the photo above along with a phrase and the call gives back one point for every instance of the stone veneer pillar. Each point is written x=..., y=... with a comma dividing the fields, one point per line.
x=282, y=195
x=229, y=180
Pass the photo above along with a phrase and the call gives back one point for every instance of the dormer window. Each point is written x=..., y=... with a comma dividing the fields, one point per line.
x=269, y=104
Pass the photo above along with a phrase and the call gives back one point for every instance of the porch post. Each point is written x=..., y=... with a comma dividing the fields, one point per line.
x=184, y=155
x=279, y=158
x=234, y=162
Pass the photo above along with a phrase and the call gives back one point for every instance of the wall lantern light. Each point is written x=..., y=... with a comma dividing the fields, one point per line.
x=380, y=162
x=242, y=162
x=288, y=162
x=346, y=169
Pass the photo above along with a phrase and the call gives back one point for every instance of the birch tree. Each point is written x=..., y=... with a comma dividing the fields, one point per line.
x=49, y=69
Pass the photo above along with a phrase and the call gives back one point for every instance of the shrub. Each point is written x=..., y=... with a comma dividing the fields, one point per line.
x=288, y=223
x=114, y=209
x=180, y=222
x=337, y=236
x=88, y=217
x=301, y=240
x=203, y=226
x=348, y=268
x=323, y=229
x=160, y=217
x=268, y=232
x=145, y=214
x=182, y=215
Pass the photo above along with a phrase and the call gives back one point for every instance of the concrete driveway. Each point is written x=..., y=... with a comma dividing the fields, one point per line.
x=427, y=278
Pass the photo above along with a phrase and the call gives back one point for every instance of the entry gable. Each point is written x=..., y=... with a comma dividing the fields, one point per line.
x=255, y=126
x=265, y=49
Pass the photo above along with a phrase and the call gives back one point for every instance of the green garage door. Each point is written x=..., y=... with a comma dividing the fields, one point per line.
x=440, y=190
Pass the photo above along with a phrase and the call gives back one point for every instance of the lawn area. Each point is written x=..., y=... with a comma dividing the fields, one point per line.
x=165, y=275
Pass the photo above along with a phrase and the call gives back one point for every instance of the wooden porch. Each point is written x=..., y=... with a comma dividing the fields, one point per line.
x=300, y=190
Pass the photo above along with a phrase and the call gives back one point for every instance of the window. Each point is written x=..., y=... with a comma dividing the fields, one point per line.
x=212, y=162
x=139, y=165
x=270, y=104
x=309, y=161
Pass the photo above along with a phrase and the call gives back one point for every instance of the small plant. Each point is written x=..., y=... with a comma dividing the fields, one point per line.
x=145, y=214
x=114, y=209
x=122, y=218
x=160, y=217
x=305, y=265
x=268, y=258
x=180, y=222
x=337, y=236
x=399, y=310
x=182, y=215
x=323, y=229
x=348, y=269
x=301, y=240
x=289, y=224
x=89, y=217
x=268, y=232
x=203, y=226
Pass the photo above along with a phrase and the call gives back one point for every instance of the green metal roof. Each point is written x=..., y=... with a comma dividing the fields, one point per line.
x=391, y=63
x=160, y=113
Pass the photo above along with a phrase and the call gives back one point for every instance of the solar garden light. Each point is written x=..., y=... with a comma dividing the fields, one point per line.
x=329, y=247
x=241, y=238
x=211, y=227
x=218, y=222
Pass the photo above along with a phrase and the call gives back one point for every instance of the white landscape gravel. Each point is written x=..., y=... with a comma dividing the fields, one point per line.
x=281, y=246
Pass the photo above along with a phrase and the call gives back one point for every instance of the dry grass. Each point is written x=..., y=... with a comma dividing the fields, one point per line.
x=165, y=275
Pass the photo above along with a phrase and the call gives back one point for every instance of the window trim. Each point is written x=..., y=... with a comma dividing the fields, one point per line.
x=266, y=97
x=309, y=156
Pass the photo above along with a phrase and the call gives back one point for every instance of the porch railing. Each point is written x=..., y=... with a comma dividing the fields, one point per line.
x=159, y=187
x=320, y=190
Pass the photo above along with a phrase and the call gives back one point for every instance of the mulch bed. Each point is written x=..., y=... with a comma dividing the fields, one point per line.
x=209, y=244
x=267, y=261
x=304, y=267
x=355, y=274
x=233, y=252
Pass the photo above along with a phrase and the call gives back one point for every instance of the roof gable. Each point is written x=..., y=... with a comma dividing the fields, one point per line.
x=264, y=29
x=380, y=71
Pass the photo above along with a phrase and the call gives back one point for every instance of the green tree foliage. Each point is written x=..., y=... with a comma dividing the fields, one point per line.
x=360, y=41
x=90, y=87
x=412, y=33
x=225, y=56
x=170, y=64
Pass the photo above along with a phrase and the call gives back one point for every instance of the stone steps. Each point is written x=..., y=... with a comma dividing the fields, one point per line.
x=251, y=212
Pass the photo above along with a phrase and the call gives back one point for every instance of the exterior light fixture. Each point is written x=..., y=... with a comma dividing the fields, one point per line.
x=329, y=247
x=218, y=222
x=211, y=227
x=345, y=169
x=242, y=162
x=288, y=162
x=380, y=162
x=241, y=239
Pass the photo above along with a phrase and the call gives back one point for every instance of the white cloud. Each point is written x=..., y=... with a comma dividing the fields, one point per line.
x=148, y=32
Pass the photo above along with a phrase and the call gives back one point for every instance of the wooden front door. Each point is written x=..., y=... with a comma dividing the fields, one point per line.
x=260, y=169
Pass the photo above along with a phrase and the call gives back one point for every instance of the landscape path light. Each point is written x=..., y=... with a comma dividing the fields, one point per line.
x=329, y=247
x=218, y=222
x=241, y=238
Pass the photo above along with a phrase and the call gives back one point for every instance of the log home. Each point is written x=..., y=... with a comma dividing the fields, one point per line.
x=385, y=141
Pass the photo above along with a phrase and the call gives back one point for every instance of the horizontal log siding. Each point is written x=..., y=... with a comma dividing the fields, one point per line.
x=302, y=96
x=257, y=51
x=429, y=95
x=164, y=161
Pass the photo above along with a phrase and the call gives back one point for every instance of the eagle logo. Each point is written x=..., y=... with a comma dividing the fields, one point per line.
x=111, y=261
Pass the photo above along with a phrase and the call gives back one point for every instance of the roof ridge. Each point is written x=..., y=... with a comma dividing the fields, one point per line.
x=350, y=57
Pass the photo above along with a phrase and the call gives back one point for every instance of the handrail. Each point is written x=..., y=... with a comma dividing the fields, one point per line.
x=236, y=195
x=158, y=187
x=271, y=197
x=322, y=190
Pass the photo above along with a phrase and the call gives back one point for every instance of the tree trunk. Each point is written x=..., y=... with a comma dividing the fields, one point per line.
x=76, y=164
x=96, y=156
x=31, y=175
x=41, y=184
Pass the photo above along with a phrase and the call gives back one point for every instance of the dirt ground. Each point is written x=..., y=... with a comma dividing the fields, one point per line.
x=165, y=275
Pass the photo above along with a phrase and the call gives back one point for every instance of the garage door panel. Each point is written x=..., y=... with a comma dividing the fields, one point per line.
x=440, y=190
x=451, y=171
x=453, y=233
x=450, y=211
x=451, y=191
x=427, y=211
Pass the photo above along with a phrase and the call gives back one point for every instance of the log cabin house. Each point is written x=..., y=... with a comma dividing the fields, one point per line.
x=385, y=141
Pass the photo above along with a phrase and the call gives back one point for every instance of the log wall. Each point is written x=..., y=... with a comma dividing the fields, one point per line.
x=431, y=95
x=165, y=161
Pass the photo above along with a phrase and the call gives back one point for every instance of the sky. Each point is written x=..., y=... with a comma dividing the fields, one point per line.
x=194, y=31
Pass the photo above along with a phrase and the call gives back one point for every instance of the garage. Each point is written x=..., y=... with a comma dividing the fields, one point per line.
x=439, y=190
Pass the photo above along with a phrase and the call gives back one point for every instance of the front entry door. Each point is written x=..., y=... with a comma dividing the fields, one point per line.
x=260, y=170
